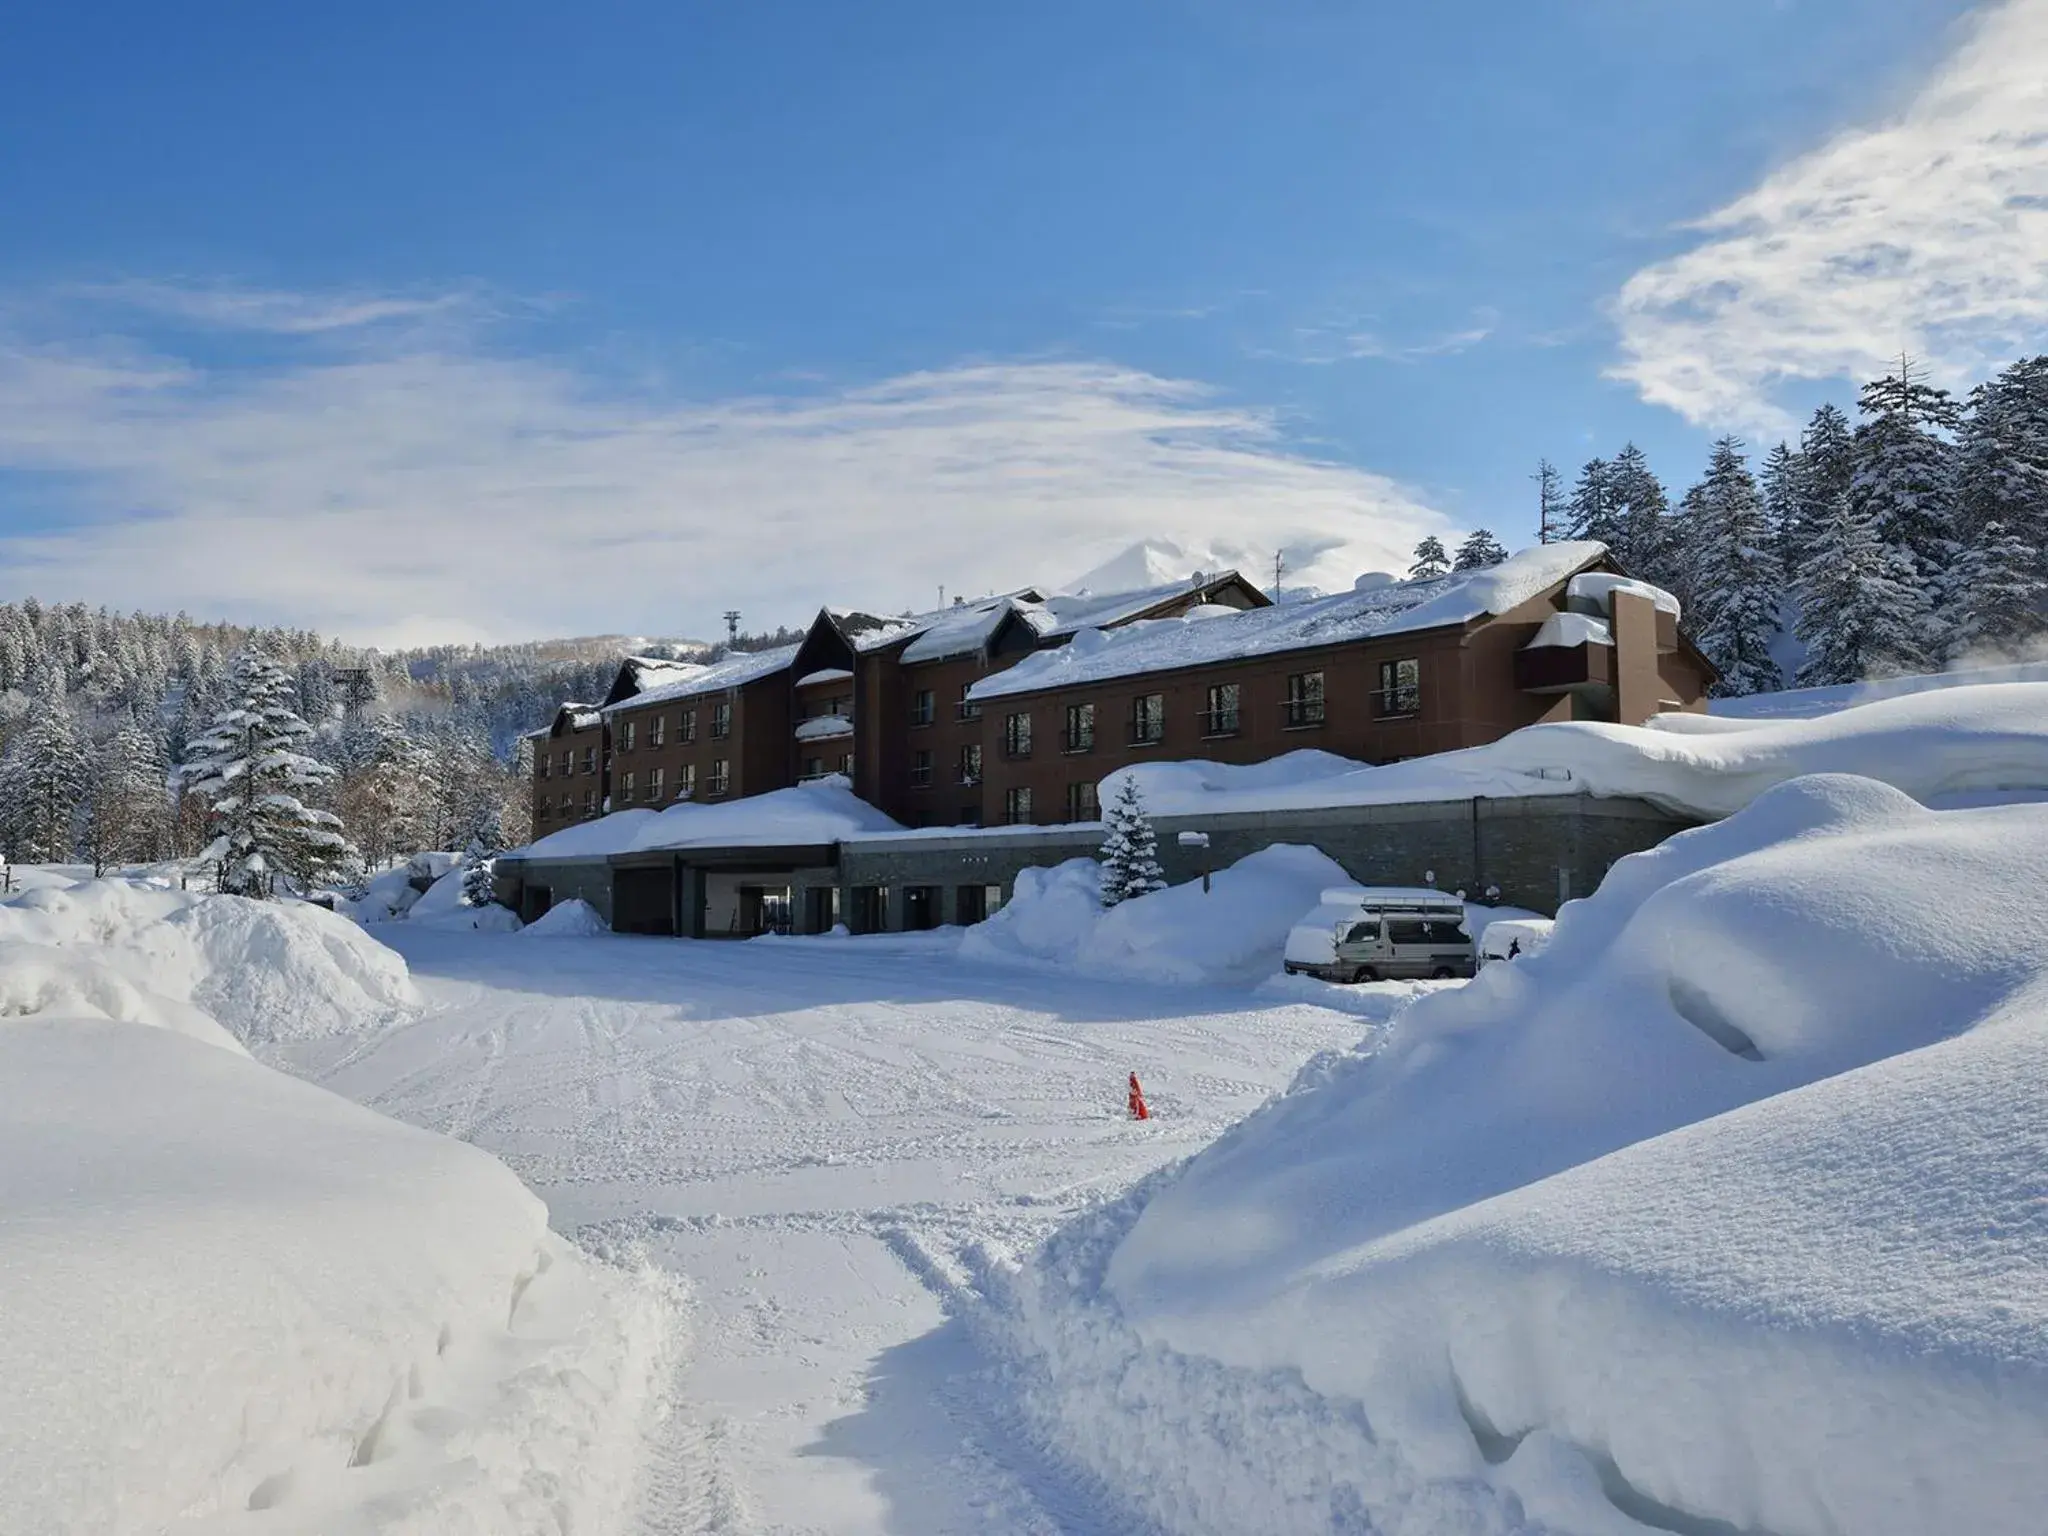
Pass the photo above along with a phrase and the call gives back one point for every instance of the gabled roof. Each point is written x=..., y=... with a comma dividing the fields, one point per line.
x=1068, y=614
x=1210, y=635
x=638, y=674
x=735, y=671
x=573, y=717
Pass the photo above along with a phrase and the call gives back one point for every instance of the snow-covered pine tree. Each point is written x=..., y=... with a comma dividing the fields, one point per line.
x=1431, y=560
x=1642, y=542
x=127, y=806
x=1480, y=550
x=1996, y=594
x=248, y=768
x=1130, y=853
x=2001, y=459
x=1862, y=612
x=43, y=780
x=1736, y=581
x=1903, y=486
x=1779, y=482
x=1591, y=508
x=1553, y=517
x=480, y=858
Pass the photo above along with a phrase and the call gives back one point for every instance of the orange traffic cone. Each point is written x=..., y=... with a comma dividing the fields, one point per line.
x=1137, y=1101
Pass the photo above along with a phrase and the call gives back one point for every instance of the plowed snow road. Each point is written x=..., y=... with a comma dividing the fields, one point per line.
x=811, y=1133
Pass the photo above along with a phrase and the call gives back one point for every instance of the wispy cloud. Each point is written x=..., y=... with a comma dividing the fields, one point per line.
x=1928, y=234
x=421, y=484
x=1356, y=337
x=275, y=311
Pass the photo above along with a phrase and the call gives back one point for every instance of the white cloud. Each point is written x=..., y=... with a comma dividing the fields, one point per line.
x=1927, y=234
x=417, y=485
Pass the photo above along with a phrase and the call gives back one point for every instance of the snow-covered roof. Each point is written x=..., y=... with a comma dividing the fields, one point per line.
x=1572, y=629
x=1159, y=645
x=736, y=670
x=1599, y=587
x=964, y=631
x=823, y=728
x=1070, y=613
x=825, y=675
x=823, y=811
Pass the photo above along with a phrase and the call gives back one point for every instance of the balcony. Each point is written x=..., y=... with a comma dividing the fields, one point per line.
x=823, y=728
x=1562, y=668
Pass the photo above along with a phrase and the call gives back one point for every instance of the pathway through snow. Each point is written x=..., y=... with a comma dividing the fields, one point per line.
x=812, y=1132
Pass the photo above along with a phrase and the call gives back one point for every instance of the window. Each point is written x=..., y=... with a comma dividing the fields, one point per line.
x=543, y=810
x=1148, y=719
x=841, y=706
x=966, y=709
x=721, y=720
x=1017, y=806
x=1304, y=700
x=719, y=779
x=654, y=778
x=657, y=728
x=1080, y=735
x=922, y=704
x=590, y=802
x=970, y=763
x=1017, y=735
x=590, y=759
x=568, y=807
x=814, y=768
x=686, y=727
x=921, y=768
x=568, y=764
x=1364, y=933
x=1401, y=687
x=626, y=794
x=540, y=764
x=627, y=731
x=1081, y=802
x=1219, y=717
x=846, y=764
x=686, y=781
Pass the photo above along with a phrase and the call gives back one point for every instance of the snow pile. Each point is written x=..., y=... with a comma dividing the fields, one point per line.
x=443, y=906
x=822, y=811
x=235, y=1298
x=387, y=896
x=1232, y=933
x=1935, y=746
x=571, y=919
x=1722, y=1213
x=140, y=952
x=1808, y=703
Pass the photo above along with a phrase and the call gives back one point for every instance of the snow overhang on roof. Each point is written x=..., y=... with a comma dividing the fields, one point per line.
x=1597, y=588
x=1160, y=645
x=735, y=671
x=1568, y=629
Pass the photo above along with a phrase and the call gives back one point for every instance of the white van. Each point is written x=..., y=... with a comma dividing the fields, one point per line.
x=1384, y=933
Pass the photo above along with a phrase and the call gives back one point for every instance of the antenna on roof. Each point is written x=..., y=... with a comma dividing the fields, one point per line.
x=732, y=626
x=942, y=594
x=1279, y=565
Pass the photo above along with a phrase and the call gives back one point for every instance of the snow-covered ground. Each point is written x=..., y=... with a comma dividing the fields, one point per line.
x=820, y=1135
x=231, y=1301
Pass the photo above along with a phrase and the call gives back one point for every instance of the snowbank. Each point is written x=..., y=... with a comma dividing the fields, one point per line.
x=442, y=905
x=1810, y=703
x=1722, y=1213
x=1935, y=746
x=1231, y=934
x=227, y=1291
x=571, y=919
x=140, y=952
x=823, y=811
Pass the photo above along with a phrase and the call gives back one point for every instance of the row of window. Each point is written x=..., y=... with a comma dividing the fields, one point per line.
x=542, y=762
x=1082, y=804
x=814, y=767
x=717, y=781
x=924, y=706
x=686, y=728
x=1400, y=693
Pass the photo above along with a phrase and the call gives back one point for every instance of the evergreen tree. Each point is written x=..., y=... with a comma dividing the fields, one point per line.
x=1130, y=853
x=2001, y=457
x=1591, y=508
x=1736, y=579
x=1903, y=486
x=1643, y=544
x=249, y=770
x=1998, y=590
x=1431, y=560
x=1780, y=485
x=43, y=783
x=1553, y=517
x=128, y=810
x=480, y=860
x=1862, y=612
x=1480, y=550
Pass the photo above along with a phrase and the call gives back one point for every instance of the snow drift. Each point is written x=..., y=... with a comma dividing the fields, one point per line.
x=823, y=811
x=1933, y=746
x=233, y=1296
x=1721, y=1213
x=267, y=970
x=1232, y=933
x=571, y=919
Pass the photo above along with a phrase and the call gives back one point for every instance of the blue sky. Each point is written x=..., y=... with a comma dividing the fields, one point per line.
x=381, y=317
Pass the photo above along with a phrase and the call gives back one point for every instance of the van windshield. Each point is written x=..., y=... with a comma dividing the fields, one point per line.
x=1363, y=933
